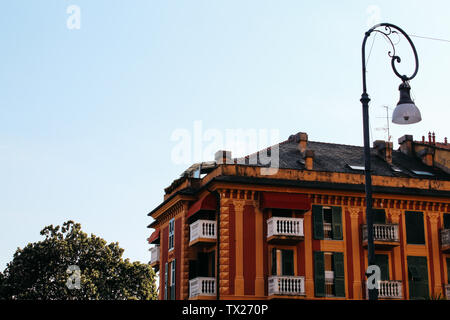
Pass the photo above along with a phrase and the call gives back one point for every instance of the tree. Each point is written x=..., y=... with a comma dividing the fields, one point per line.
x=69, y=264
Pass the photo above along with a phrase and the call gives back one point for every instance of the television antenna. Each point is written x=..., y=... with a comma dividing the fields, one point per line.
x=386, y=128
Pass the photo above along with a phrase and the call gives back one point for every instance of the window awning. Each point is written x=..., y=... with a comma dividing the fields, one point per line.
x=208, y=202
x=154, y=238
x=281, y=200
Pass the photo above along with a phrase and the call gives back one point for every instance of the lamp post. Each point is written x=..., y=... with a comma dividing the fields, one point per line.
x=406, y=112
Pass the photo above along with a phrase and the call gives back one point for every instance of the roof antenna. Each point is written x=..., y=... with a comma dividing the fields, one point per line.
x=386, y=128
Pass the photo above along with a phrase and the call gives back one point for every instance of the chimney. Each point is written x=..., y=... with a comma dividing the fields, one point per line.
x=309, y=159
x=445, y=140
x=384, y=150
x=405, y=143
x=223, y=157
x=429, y=137
x=427, y=156
x=303, y=137
x=434, y=138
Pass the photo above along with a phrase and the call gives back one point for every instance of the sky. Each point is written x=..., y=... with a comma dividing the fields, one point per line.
x=97, y=98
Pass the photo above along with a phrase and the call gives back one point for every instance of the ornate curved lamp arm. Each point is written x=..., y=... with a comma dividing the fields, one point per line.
x=387, y=30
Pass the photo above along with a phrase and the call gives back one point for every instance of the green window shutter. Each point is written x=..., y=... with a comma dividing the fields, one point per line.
x=337, y=223
x=418, y=277
x=446, y=220
x=166, y=274
x=319, y=274
x=339, y=274
x=379, y=216
x=172, y=280
x=382, y=260
x=274, y=261
x=415, y=232
x=317, y=217
x=287, y=257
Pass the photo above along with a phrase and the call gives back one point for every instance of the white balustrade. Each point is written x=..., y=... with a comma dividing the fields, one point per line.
x=154, y=254
x=203, y=229
x=383, y=232
x=388, y=290
x=279, y=226
x=445, y=237
x=202, y=286
x=286, y=285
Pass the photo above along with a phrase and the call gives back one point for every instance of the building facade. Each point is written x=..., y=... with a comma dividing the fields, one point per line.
x=237, y=229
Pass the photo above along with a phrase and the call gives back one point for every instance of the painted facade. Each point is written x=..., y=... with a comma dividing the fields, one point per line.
x=299, y=233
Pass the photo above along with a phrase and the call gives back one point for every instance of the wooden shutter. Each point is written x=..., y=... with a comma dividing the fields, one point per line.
x=418, y=277
x=379, y=216
x=446, y=220
x=319, y=274
x=166, y=275
x=337, y=223
x=172, y=280
x=382, y=260
x=274, y=261
x=317, y=222
x=339, y=274
x=287, y=257
x=415, y=232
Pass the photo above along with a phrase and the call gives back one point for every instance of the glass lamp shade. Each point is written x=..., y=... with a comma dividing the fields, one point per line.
x=406, y=111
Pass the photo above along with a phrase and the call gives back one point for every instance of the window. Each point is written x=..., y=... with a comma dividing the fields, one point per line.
x=415, y=233
x=171, y=233
x=282, y=262
x=418, y=277
x=379, y=216
x=446, y=220
x=327, y=223
x=422, y=173
x=382, y=261
x=329, y=278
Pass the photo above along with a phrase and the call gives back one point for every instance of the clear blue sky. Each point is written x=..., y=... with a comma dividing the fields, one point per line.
x=86, y=116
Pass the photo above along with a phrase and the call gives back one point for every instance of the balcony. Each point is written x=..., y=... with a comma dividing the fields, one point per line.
x=445, y=240
x=286, y=286
x=284, y=229
x=203, y=231
x=154, y=256
x=388, y=290
x=202, y=287
x=384, y=235
x=447, y=291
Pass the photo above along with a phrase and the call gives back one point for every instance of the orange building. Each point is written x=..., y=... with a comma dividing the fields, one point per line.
x=228, y=229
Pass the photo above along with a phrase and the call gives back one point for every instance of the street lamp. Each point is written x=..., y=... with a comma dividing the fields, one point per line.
x=406, y=112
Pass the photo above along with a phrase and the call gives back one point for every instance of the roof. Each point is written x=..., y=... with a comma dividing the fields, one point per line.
x=331, y=157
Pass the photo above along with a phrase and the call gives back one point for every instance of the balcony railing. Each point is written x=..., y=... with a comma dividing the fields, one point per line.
x=203, y=229
x=447, y=291
x=286, y=285
x=388, y=290
x=382, y=232
x=445, y=238
x=154, y=255
x=278, y=226
x=202, y=287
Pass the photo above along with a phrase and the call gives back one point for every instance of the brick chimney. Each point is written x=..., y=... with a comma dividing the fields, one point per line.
x=384, y=150
x=309, y=159
x=223, y=157
x=427, y=156
x=406, y=144
x=303, y=140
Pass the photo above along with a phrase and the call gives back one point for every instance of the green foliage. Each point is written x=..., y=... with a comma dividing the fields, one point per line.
x=39, y=271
